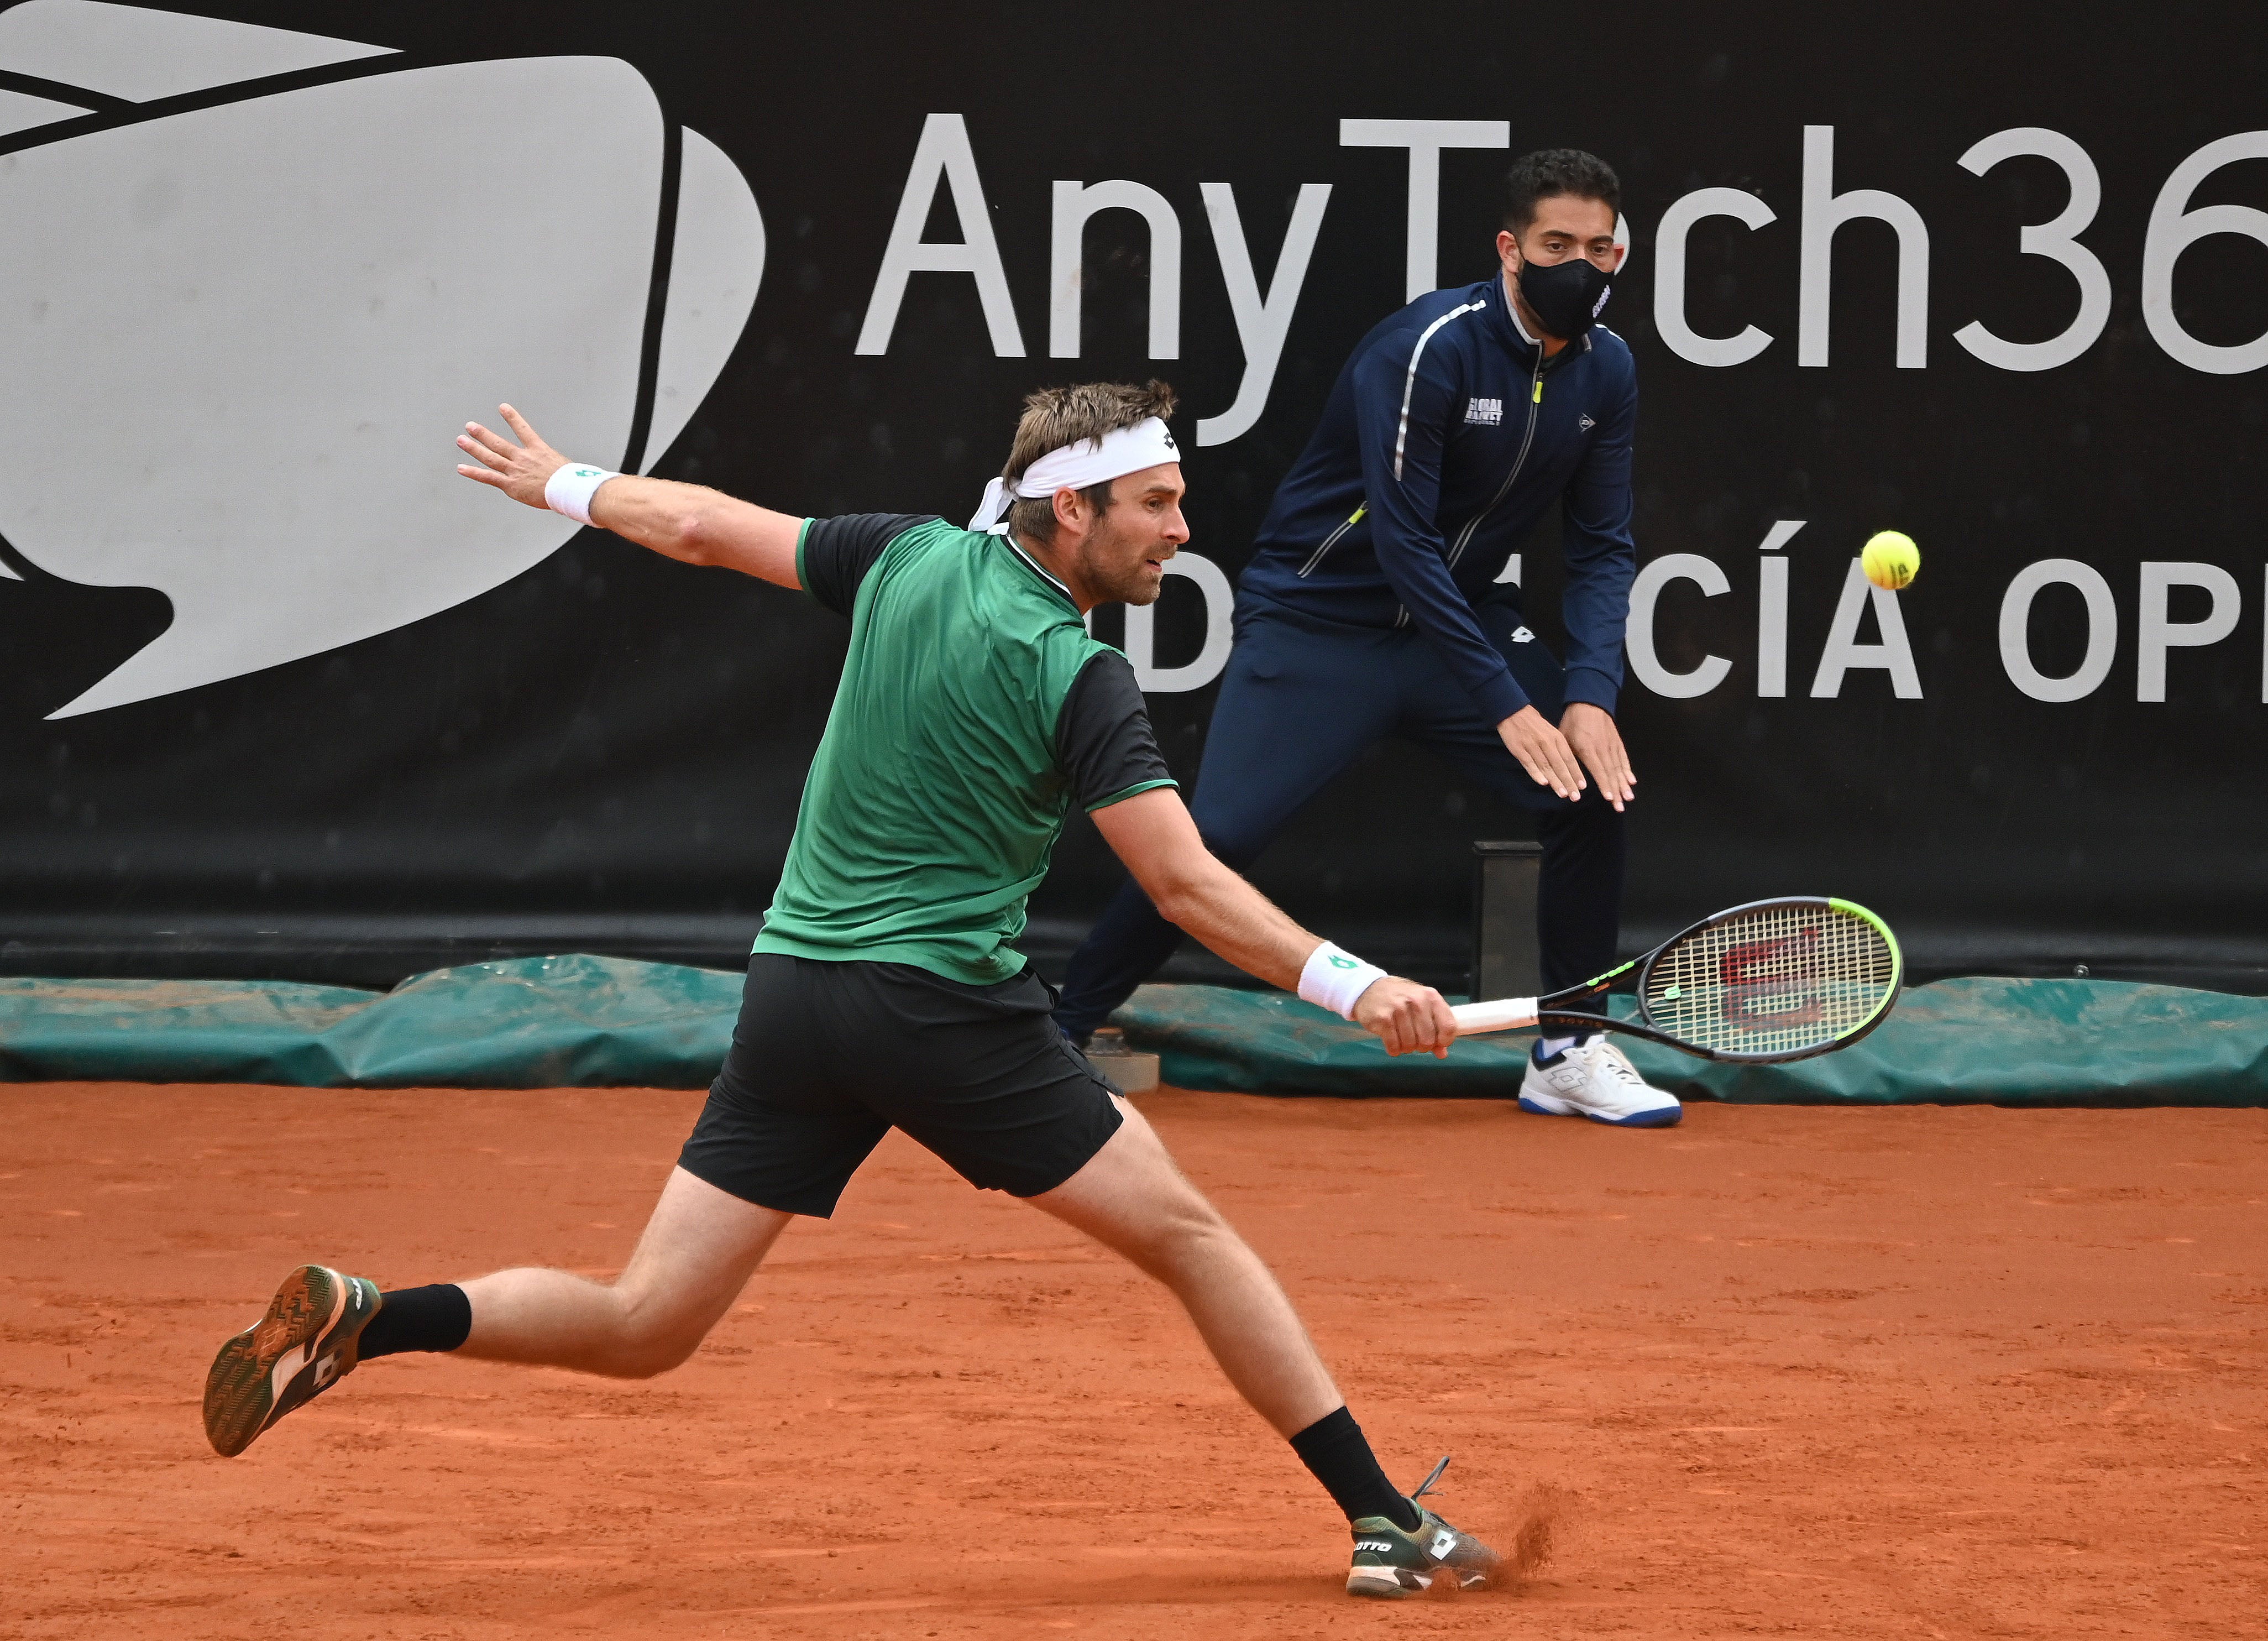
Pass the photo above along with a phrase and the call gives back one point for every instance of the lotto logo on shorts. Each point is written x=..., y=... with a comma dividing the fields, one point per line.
x=1486, y=412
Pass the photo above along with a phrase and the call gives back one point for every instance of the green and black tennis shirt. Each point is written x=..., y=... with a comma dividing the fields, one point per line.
x=975, y=709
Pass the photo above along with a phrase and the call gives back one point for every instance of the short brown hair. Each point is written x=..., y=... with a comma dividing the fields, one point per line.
x=1547, y=171
x=1056, y=417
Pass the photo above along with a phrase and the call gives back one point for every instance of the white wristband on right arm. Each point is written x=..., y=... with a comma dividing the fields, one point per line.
x=1336, y=980
x=569, y=490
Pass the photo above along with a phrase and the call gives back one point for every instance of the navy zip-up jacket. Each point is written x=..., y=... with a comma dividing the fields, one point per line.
x=1444, y=440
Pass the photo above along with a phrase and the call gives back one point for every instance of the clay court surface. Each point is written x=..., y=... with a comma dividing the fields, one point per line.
x=1911, y=1372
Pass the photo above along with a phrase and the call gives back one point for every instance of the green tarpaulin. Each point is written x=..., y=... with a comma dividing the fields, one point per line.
x=1955, y=1042
x=600, y=1021
x=532, y=1023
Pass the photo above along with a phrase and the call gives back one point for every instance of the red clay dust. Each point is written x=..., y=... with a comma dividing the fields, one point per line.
x=1915, y=1373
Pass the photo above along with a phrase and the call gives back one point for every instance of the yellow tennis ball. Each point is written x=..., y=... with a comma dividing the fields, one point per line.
x=1891, y=560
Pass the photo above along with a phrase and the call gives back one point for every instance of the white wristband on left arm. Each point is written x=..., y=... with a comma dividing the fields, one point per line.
x=569, y=490
x=1336, y=979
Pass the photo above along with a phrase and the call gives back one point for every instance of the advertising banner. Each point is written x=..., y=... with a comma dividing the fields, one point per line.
x=282, y=695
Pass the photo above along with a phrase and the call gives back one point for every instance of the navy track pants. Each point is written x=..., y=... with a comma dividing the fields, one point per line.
x=1301, y=700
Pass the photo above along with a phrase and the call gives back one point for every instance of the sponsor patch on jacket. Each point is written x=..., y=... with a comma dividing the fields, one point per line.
x=1487, y=412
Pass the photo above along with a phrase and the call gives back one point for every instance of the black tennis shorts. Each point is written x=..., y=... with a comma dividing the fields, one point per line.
x=828, y=1057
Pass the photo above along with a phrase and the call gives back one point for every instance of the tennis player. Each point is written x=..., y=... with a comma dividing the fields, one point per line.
x=1382, y=601
x=974, y=711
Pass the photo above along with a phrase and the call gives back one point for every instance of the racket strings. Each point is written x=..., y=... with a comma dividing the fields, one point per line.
x=1776, y=980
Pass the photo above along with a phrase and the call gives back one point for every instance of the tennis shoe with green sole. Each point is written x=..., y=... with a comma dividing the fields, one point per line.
x=304, y=1345
x=1394, y=1563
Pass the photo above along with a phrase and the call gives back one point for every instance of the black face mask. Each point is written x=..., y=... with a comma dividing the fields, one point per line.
x=1568, y=297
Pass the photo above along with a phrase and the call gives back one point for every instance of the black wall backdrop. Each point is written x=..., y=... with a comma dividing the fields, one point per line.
x=605, y=751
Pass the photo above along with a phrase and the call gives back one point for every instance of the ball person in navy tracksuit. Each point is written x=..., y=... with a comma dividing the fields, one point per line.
x=1374, y=605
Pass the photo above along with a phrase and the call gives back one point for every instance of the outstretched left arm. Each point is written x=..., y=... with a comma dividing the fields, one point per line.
x=689, y=522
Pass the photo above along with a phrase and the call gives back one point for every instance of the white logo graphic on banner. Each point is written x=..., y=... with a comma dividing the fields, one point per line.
x=238, y=338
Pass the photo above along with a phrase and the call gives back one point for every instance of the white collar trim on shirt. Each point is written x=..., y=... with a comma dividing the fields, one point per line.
x=1512, y=309
x=1036, y=564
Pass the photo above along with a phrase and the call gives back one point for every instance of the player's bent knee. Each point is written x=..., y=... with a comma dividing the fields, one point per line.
x=647, y=1357
x=649, y=1340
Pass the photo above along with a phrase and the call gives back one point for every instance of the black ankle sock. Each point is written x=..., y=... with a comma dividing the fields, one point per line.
x=1334, y=1449
x=418, y=1318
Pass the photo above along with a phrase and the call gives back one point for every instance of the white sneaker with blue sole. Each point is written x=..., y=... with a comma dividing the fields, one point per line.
x=1596, y=1080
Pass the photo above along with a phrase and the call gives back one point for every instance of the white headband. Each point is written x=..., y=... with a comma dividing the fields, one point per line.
x=1075, y=466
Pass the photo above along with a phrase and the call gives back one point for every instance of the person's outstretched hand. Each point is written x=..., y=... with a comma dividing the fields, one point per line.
x=1407, y=1017
x=520, y=470
x=1543, y=751
x=1591, y=731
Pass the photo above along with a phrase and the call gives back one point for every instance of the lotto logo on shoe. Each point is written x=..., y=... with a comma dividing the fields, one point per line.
x=1378, y=1547
x=1486, y=412
x=300, y=289
x=1444, y=1542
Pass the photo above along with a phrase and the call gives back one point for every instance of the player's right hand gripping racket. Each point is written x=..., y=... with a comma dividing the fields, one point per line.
x=1771, y=980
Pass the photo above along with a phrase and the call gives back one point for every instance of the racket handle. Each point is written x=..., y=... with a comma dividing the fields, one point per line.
x=1507, y=1015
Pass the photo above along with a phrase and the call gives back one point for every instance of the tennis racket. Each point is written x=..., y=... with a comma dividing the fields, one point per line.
x=1769, y=982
